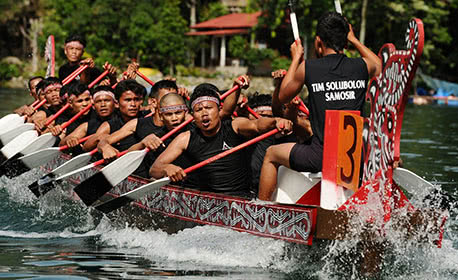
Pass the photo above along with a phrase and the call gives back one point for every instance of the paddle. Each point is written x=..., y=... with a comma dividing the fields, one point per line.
x=44, y=141
x=137, y=193
x=119, y=169
x=145, y=78
x=35, y=159
x=46, y=182
x=50, y=56
x=337, y=5
x=75, y=74
x=16, y=130
x=410, y=181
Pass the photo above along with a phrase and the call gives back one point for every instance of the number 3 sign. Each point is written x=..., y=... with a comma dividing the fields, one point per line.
x=341, y=156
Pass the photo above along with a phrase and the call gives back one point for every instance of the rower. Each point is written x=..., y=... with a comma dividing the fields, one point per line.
x=211, y=136
x=173, y=112
x=50, y=89
x=104, y=104
x=158, y=90
x=130, y=95
x=74, y=49
x=27, y=109
x=334, y=82
x=79, y=97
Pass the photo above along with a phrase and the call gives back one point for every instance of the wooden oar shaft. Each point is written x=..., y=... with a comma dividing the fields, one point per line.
x=145, y=78
x=79, y=114
x=39, y=104
x=35, y=102
x=75, y=74
x=251, y=111
x=98, y=79
x=227, y=93
x=233, y=150
x=53, y=117
x=62, y=148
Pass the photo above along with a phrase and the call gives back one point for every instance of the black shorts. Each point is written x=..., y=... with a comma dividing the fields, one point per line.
x=307, y=157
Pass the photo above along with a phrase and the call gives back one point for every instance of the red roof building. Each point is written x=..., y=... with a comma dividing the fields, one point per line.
x=221, y=27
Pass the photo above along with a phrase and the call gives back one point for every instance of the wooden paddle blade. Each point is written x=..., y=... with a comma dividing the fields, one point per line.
x=410, y=181
x=133, y=195
x=10, y=121
x=13, y=168
x=42, y=185
x=43, y=141
x=17, y=144
x=40, y=157
x=6, y=137
x=72, y=164
x=91, y=189
x=100, y=183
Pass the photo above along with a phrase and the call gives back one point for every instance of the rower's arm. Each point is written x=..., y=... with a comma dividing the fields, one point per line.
x=125, y=131
x=78, y=133
x=373, y=62
x=230, y=102
x=294, y=79
x=163, y=163
x=250, y=128
x=101, y=132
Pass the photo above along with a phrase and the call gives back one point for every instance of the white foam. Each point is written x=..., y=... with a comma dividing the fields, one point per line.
x=206, y=245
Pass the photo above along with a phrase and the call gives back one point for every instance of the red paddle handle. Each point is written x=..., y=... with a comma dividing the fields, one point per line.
x=98, y=79
x=36, y=106
x=233, y=150
x=79, y=141
x=75, y=74
x=65, y=107
x=80, y=113
x=145, y=78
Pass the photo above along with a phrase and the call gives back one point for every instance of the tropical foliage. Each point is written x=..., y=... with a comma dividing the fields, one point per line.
x=153, y=31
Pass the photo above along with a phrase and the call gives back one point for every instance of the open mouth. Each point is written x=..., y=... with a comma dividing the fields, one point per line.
x=206, y=122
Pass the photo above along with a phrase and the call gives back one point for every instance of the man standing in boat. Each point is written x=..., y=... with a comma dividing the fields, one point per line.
x=334, y=82
x=74, y=49
x=213, y=135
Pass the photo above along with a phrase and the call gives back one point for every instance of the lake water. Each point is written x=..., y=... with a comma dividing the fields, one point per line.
x=58, y=238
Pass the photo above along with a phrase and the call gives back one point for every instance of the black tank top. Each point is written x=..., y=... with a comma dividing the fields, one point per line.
x=228, y=175
x=116, y=122
x=334, y=82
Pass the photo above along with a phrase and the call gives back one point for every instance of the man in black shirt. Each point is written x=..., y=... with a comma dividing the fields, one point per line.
x=104, y=105
x=211, y=136
x=334, y=82
x=74, y=49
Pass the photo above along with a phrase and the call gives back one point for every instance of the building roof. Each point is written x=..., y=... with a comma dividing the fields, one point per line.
x=240, y=20
x=219, y=32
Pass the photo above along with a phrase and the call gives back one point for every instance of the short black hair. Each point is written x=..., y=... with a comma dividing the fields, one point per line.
x=77, y=89
x=76, y=37
x=65, y=89
x=162, y=84
x=49, y=81
x=333, y=30
x=205, y=89
x=257, y=100
x=131, y=85
x=34, y=78
x=100, y=88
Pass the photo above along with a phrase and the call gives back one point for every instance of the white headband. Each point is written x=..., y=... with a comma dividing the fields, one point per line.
x=204, y=98
x=52, y=86
x=262, y=108
x=104, y=92
x=75, y=44
x=170, y=108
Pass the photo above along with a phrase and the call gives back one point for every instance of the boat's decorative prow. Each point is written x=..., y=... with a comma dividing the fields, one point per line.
x=388, y=95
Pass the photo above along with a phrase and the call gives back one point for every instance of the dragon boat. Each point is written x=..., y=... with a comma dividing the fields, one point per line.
x=358, y=168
